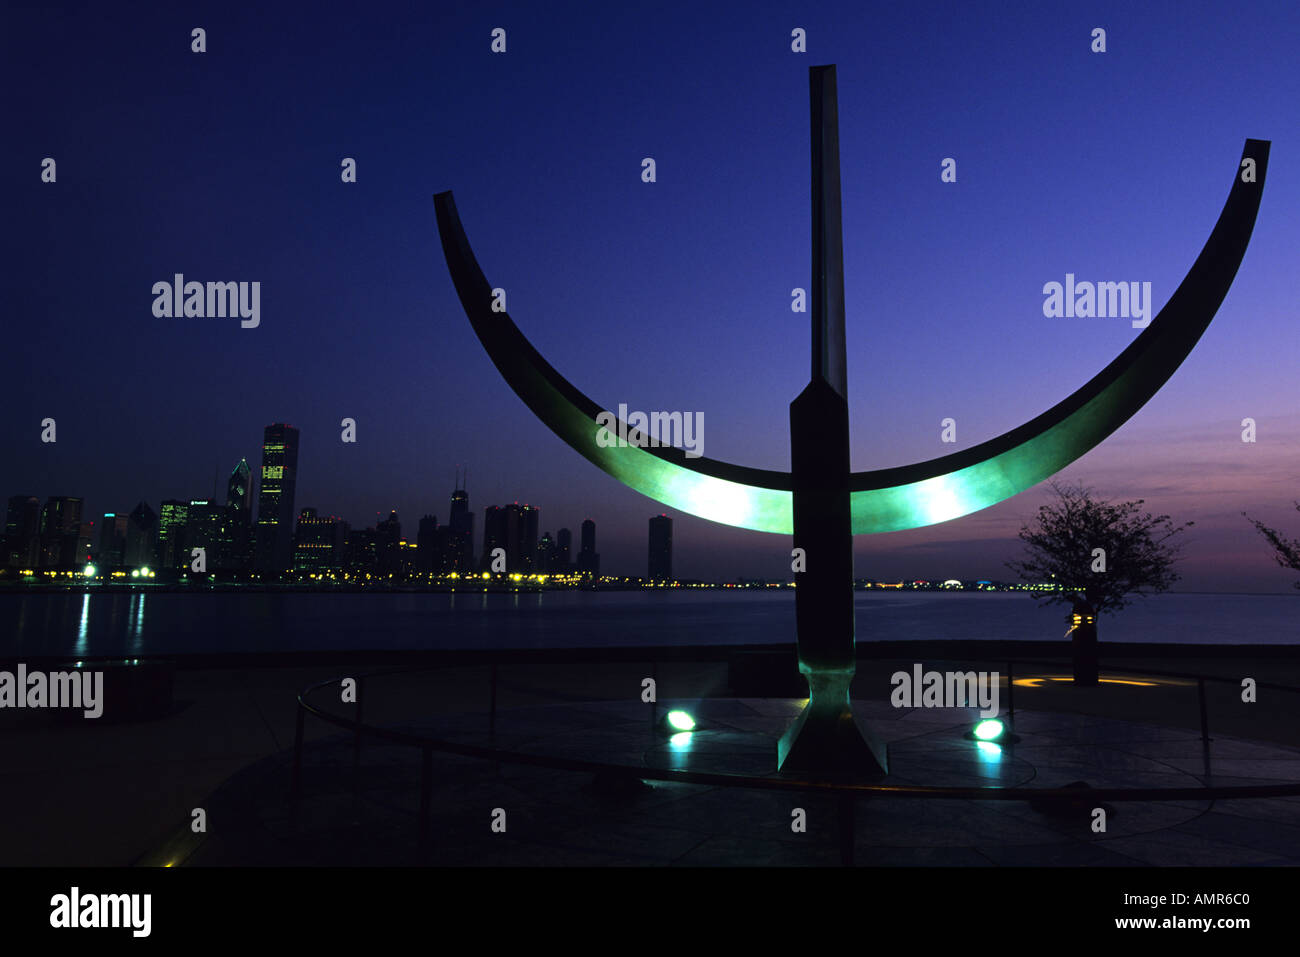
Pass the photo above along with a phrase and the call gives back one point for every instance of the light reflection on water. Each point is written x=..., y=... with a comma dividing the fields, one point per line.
x=143, y=622
x=84, y=627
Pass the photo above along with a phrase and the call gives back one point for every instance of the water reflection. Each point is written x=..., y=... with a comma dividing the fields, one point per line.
x=137, y=623
x=84, y=627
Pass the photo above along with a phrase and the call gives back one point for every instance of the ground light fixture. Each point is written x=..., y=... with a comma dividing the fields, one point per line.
x=991, y=731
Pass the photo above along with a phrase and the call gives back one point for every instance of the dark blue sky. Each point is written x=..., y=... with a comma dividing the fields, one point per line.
x=673, y=295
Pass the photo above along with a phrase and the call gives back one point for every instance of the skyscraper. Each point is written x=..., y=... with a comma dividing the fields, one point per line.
x=388, y=554
x=141, y=537
x=60, y=529
x=239, y=504
x=319, y=542
x=563, y=548
x=428, y=546
x=22, y=541
x=112, y=540
x=494, y=533
x=211, y=529
x=461, y=538
x=661, y=548
x=529, y=519
x=173, y=522
x=545, y=554
x=588, y=558
x=275, y=501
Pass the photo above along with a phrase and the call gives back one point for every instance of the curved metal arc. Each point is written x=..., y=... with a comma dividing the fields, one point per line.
x=891, y=499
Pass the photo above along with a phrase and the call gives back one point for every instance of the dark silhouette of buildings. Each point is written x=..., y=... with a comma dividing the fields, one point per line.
x=22, y=541
x=141, y=537
x=428, y=546
x=239, y=503
x=661, y=548
x=544, y=557
x=60, y=531
x=275, y=502
x=112, y=540
x=514, y=529
x=460, y=544
x=588, y=559
x=388, y=546
x=563, y=548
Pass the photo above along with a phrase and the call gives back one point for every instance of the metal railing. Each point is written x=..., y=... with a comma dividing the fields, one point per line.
x=848, y=793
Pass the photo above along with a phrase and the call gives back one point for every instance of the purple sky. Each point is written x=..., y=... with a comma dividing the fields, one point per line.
x=672, y=295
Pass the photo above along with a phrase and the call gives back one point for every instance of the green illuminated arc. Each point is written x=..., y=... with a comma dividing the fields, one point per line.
x=884, y=500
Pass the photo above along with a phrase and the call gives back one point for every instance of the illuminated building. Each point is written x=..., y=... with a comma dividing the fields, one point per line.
x=275, y=501
x=319, y=542
x=173, y=522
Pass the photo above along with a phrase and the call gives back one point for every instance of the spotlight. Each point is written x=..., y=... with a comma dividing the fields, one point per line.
x=991, y=731
x=679, y=721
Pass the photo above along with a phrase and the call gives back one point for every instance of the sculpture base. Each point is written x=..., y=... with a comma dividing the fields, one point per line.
x=824, y=742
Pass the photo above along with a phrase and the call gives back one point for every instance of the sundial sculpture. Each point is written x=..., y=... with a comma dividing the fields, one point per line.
x=820, y=501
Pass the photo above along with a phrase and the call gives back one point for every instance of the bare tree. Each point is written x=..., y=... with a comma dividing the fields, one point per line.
x=1097, y=551
x=1286, y=552
x=1098, y=554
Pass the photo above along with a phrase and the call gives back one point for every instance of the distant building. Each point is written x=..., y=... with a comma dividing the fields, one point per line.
x=563, y=547
x=360, y=551
x=529, y=520
x=460, y=544
x=141, y=537
x=661, y=548
x=60, y=529
x=239, y=502
x=388, y=546
x=112, y=540
x=22, y=538
x=210, y=528
x=514, y=529
x=173, y=524
x=275, y=501
x=494, y=533
x=544, y=557
x=428, y=546
x=319, y=542
x=588, y=558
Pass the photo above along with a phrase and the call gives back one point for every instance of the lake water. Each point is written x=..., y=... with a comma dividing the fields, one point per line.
x=176, y=623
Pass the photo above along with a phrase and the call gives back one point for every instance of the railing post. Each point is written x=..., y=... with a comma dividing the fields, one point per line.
x=654, y=705
x=1205, y=720
x=492, y=711
x=1011, y=690
x=356, y=739
x=295, y=788
x=426, y=800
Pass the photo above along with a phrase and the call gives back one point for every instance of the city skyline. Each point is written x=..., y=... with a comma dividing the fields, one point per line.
x=672, y=295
